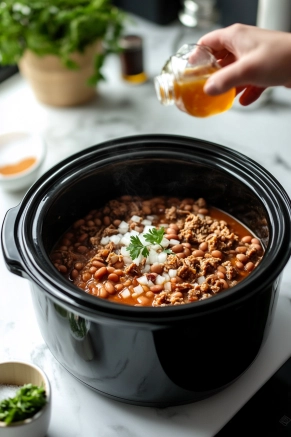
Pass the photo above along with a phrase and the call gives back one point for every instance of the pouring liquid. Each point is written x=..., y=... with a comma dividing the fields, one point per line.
x=191, y=98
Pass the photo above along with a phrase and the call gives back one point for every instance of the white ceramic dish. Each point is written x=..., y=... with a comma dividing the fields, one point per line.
x=14, y=373
x=15, y=147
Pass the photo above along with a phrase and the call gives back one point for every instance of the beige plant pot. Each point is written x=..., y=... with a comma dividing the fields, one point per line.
x=56, y=85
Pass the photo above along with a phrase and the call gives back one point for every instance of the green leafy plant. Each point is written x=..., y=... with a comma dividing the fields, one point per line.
x=28, y=400
x=154, y=236
x=59, y=27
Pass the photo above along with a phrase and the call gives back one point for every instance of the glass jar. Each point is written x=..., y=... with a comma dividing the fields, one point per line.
x=182, y=80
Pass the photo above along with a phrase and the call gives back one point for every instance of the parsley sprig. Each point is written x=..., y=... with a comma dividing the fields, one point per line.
x=154, y=236
x=28, y=400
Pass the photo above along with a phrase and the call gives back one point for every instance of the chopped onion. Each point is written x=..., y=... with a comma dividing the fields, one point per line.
x=146, y=222
x=142, y=280
x=123, y=227
x=166, y=276
x=168, y=286
x=115, y=239
x=125, y=293
x=136, y=218
x=104, y=240
x=146, y=268
x=172, y=242
x=147, y=228
x=138, y=290
x=165, y=242
x=201, y=279
x=160, y=280
x=153, y=257
x=172, y=273
x=162, y=257
x=150, y=217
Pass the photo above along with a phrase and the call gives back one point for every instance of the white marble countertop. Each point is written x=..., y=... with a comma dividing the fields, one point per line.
x=261, y=132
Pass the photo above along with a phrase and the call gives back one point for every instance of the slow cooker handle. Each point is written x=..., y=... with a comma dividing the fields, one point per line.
x=11, y=254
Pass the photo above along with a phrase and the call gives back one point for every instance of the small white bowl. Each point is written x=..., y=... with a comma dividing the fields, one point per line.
x=15, y=373
x=14, y=148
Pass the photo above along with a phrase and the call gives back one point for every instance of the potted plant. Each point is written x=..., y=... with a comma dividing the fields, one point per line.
x=60, y=45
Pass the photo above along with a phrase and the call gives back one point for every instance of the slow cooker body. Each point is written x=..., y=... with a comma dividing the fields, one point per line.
x=151, y=356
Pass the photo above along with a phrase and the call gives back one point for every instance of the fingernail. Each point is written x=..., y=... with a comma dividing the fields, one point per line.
x=210, y=87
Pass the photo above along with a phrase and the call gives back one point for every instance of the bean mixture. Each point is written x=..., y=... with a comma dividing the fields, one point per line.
x=204, y=251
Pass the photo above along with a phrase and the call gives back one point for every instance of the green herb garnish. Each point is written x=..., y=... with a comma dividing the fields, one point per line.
x=154, y=236
x=29, y=399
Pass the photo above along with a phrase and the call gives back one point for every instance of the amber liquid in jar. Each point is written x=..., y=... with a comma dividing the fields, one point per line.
x=191, y=98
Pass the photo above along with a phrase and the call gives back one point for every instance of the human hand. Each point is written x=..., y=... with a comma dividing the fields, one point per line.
x=252, y=59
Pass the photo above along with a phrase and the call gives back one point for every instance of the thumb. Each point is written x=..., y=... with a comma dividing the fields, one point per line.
x=223, y=80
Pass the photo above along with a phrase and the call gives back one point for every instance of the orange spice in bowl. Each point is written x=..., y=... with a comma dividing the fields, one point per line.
x=21, y=156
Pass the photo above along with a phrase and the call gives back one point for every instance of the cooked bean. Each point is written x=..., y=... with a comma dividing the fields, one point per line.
x=246, y=239
x=100, y=272
x=181, y=255
x=217, y=254
x=143, y=300
x=198, y=253
x=187, y=252
x=113, y=277
x=187, y=207
x=203, y=211
x=255, y=241
x=243, y=258
x=119, y=287
x=224, y=283
x=110, y=269
x=203, y=246
x=82, y=249
x=106, y=220
x=249, y=266
x=119, y=265
x=220, y=275
x=239, y=265
x=113, y=259
x=172, y=237
x=146, y=210
x=258, y=247
x=78, y=266
x=221, y=269
x=119, y=272
x=116, y=222
x=188, y=245
x=86, y=276
x=92, y=269
x=109, y=287
x=103, y=292
x=177, y=248
x=82, y=237
x=177, y=294
x=63, y=269
x=79, y=223
x=174, y=226
x=157, y=268
x=171, y=231
x=74, y=273
x=156, y=288
x=241, y=249
x=97, y=263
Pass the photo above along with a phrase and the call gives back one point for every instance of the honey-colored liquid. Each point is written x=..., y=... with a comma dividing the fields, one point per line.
x=191, y=98
x=18, y=167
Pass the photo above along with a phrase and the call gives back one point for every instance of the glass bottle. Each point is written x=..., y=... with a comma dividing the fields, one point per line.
x=182, y=79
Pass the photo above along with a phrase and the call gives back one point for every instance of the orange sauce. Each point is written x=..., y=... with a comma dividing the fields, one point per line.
x=191, y=98
x=18, y=167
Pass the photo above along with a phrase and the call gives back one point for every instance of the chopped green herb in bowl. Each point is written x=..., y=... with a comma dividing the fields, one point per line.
x=29, y=399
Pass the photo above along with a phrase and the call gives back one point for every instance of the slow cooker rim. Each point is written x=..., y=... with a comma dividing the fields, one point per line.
x=124, y=308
